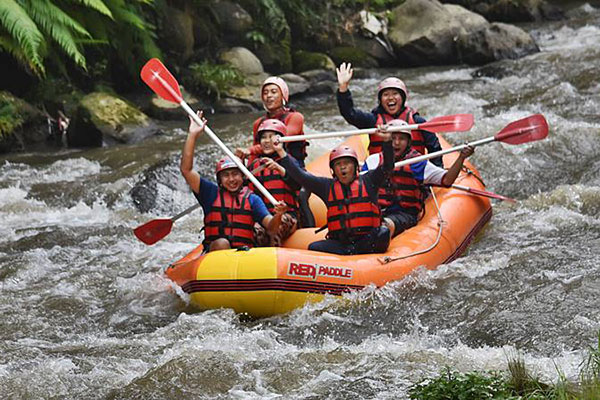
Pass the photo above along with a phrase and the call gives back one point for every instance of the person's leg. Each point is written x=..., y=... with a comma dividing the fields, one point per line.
x=376, y=241
x=220, y=244
x=331, y=246
x=400, y=221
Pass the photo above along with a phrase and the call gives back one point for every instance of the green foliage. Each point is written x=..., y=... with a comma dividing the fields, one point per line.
x=455, y=385
x=34, y=31
x=10, y=119
x=213, y=79
x=589, y=376
x=256, y=37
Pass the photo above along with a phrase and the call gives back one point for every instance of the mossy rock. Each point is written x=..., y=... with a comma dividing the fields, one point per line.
x=307, y=61
x=21, y=124
x=353, y=55
x=104, y=118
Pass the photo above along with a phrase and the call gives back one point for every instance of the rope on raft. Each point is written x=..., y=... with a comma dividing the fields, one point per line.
x=441, y=223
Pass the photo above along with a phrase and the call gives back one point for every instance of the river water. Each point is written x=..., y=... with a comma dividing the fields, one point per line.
x=87, y=313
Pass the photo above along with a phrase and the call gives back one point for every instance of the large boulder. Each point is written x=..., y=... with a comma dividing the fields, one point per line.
x=21, y=124
x=354, y=55
x=103, y=118
x=308, y=60
x=178, y=31
x=242, y=59
x=495, y=42
x=512, y=10
x=453, y=35
x=232, y=17
x=423, y=32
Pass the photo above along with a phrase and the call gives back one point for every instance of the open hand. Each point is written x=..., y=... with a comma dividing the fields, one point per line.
x=344, y=75
x=194, y=128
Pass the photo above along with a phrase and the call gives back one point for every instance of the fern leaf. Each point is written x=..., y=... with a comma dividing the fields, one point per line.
x=15, y=20
x=97, y=5
x=47, y=15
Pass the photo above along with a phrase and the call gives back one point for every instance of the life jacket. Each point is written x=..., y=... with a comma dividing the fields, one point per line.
x=283, y=117
x=350, y=211
x=273, y=181
x=401, y=188
x=231, y=218
x=418, y=141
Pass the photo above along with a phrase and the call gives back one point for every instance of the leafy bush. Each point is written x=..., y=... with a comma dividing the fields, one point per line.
x=10, y=119
x=213, y=79
x=454, y=385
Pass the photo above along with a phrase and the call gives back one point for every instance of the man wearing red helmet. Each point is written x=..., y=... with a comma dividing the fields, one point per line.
x=401, y=197
x=230, y=208
x=273, y=177
x=275, y=96
x=391, y=95
x=353, y=215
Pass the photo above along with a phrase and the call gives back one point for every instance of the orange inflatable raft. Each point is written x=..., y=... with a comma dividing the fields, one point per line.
x=268, y=281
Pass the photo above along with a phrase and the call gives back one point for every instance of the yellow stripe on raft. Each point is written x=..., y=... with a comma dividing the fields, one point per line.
x=245, y=273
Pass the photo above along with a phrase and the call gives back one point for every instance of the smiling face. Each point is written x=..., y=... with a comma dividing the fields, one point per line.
x=345, y=169
x=231, y=179
x=266, y=141
x=271, y=97
x=391, y=101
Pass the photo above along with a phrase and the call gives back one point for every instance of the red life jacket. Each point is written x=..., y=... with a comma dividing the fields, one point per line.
x=350, y=211
x=283, y=117
x=273, y=181
x=418, y=141
x=231, y=218
x=401, y=188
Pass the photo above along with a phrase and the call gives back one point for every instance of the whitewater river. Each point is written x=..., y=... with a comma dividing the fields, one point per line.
x=86, y=312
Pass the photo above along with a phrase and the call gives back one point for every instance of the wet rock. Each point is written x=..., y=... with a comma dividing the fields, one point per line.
x=296, y=83
x=242, y=59
x=497, y=70
x=234, y=106
x=102, y=118
x=21, y=124
x=495, y=42
x=419, y=43
x=320, y=81
x=356, y=56
x=307, y=60
x=178, y=31
x=457, y=36
x=155, y=190
x=513, y=11
x=159, y=108
x=232, y=17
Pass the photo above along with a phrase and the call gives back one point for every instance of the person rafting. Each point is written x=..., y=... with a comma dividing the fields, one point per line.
x=391, y=95
x=402, y=196
x=353, y=214
x=273, y=177
x=230, y=208
x=275, y=96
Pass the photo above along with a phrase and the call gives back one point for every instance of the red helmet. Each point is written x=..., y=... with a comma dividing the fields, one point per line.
x=392, y=83
x=225, y=163
x=280, y=83
x=342, y=151
x=274, y=125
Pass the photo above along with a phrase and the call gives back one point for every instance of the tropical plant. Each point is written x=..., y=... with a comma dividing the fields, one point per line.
x=213, y=79
x=33, y=31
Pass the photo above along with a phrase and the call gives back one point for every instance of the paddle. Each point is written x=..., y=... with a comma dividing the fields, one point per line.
x=525, y=130
x=480, y=192
x=158, y=77
x=448, y=123
x=153, y=231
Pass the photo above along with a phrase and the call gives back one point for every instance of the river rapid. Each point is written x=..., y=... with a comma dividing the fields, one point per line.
x=87, y=313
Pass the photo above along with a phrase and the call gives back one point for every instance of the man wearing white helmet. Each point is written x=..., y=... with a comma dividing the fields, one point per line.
x=353, y=215
x=230, y=208
x=391, y=96
x=402, y=198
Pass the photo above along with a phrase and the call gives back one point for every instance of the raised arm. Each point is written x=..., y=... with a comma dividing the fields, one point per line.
x=454, y=170
x=187, y=159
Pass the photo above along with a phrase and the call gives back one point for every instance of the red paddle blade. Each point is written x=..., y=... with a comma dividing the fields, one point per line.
x=158, y=77
x=491, y=195
x=449, y=123
x=151, y=232
x=524, y=130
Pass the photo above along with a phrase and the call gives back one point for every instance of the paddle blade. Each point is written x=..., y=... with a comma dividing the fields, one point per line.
x=449, y=123
x=524, y=130
x=158, y=77
x=491, y=195
x=151, y=232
